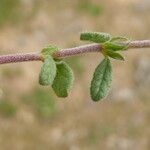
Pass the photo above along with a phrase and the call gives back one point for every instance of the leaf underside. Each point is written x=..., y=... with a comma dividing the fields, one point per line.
x=119, y=39
x=114, y=55
x=63, y=80
x=48, y=71
x=97, y=37
x=102, y=80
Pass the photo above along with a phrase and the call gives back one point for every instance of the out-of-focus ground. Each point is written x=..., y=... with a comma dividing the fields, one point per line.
x=32, y=117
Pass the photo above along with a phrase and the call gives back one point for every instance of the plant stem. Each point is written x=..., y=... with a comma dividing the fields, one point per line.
x=13, y=58
x=4, y=59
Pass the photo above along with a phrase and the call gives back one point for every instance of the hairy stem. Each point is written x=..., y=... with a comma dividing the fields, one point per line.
x=4, y=59
x=13, y=58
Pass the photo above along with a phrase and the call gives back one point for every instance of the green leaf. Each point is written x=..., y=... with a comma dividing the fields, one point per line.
x=114, y=55
x=115, y=46
x=102, y=80
x=97, y=37
x=48, y=71
x=63, y=80
x=49, y=50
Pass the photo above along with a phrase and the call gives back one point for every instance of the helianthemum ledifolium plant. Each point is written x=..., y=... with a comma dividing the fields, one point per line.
x=59, y=75
x=55, y=72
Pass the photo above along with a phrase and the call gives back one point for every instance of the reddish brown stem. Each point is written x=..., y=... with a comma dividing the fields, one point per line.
x=4, y=59
x=19, y=58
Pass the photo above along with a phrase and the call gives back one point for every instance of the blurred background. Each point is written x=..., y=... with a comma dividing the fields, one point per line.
x=32, y=117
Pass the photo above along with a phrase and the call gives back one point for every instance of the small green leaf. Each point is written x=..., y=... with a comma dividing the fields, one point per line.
x=97, y=37
x=102, y=80
x=114, y=55
x=48, y=71
x=63, y=80
x=49, y=50
x=115, y=46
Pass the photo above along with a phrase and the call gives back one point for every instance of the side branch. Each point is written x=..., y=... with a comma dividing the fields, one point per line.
x=4, y=59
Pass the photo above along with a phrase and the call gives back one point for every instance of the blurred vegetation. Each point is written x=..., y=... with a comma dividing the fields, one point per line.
x=76, y=64
x=9, y=11
x=7, y=109
x=42, y=102
x=88, y=7
x=12, y=72
x=13, y=12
